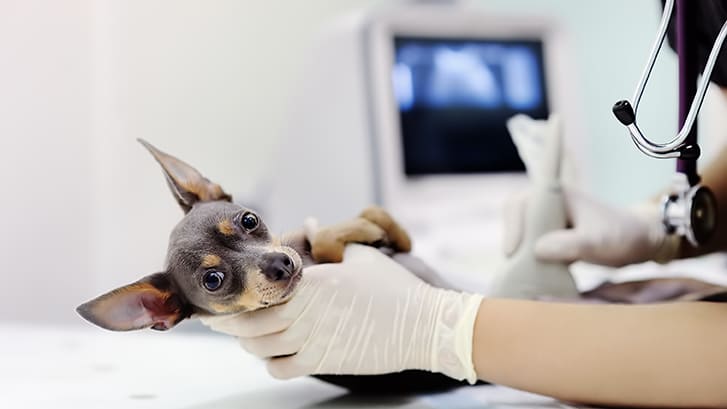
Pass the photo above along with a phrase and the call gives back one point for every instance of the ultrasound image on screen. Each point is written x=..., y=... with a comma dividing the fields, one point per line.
x=454, y=97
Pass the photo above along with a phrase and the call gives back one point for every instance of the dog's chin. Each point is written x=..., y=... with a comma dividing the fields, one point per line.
x=289, y=289
x=283, y=292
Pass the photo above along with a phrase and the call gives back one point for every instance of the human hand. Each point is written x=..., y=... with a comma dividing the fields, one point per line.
x=366, y=315
x=601, y=234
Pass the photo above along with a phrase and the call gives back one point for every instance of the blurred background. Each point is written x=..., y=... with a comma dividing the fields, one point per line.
x=231, y=87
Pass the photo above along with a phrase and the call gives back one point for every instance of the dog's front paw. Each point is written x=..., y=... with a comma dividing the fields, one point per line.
x=374, y=227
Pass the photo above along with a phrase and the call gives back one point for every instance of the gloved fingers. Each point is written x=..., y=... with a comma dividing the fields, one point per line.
x=218, y=322
x=564, y=246
x=513, y=221
x=581, y=207
x=282, y=343
x=254, y=323
x=362, y=253
x=287, y=367
x=356, y=256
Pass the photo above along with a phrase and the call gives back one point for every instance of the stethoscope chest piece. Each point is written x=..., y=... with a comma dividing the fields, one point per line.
x=690, y=211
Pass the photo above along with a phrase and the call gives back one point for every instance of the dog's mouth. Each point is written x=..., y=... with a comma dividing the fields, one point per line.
x=283, y=293
x=292, y=284
x=280, y=291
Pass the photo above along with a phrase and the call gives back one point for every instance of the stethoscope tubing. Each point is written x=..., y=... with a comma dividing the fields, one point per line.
x=671, y=149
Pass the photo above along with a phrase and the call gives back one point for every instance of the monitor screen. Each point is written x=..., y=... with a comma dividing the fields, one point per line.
x=455, y=96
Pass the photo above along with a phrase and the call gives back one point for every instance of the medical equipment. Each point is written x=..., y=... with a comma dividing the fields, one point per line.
x=690, y=208
x=405, y=106
x=523, y=275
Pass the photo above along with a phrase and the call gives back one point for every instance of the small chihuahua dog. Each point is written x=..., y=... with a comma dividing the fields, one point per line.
x=222, y=259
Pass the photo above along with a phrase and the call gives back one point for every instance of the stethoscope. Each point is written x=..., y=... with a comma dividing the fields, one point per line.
x=689, y=209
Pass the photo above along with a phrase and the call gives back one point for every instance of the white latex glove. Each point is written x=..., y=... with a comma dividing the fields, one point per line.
x=366, y=315
x=601, y=234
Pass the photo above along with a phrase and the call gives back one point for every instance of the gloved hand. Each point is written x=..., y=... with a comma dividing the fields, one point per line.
x=601, y=234
x=366, y=315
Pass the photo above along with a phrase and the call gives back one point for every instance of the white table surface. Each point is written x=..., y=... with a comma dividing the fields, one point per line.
x=85, y=367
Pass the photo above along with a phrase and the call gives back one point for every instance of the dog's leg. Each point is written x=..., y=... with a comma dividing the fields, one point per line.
x=396, y=237
x=328, y=243
x=374, y=227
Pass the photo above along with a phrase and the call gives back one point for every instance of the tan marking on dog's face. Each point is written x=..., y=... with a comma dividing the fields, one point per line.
x=249, y=300
x=225, y=227
x=259, y=292
x=219, y=308
x=210, y=260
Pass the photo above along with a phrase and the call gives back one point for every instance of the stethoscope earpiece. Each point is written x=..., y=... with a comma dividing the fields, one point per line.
x=690, y=152
x=624, y=112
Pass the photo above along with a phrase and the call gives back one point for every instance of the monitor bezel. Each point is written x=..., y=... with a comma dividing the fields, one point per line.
x=394, y=188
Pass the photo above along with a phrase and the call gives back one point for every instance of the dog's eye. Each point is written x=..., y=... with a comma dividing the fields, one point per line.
x=212, y=280
x=249, y=221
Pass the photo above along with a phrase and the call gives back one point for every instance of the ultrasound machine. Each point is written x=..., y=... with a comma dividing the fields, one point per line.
x=405, y=106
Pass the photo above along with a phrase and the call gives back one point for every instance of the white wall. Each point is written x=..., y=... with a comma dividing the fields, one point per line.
x=45, y=156
x=83, y=205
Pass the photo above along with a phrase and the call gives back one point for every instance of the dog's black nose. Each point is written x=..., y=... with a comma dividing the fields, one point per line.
x=277, y=266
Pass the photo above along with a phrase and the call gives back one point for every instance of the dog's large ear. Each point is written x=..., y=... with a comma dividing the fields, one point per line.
x=153, y=301
x=186, y=183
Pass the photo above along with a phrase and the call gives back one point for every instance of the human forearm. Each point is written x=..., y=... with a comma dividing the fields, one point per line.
x=658, y=355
